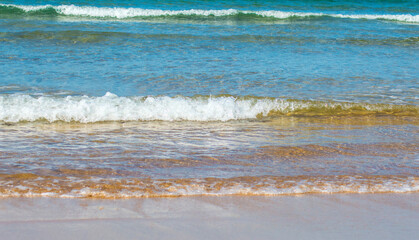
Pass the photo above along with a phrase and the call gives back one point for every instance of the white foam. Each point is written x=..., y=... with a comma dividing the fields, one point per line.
x=121, y=13
x=85, y=109
x=15, y=108
x=199, y=188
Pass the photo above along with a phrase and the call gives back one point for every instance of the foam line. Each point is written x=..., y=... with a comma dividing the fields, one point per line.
x=125, y=13
x=85, y=109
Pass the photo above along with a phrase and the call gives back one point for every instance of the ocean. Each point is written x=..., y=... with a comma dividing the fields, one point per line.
x=134, y=99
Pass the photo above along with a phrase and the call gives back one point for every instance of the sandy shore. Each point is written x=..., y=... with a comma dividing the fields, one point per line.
x=338, y=216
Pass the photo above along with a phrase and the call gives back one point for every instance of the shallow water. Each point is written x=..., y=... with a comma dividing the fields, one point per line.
x=121, y=99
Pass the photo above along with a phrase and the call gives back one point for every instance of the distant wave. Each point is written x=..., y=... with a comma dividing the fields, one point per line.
x=139, y=13
x=81, y=37
x=84, y=109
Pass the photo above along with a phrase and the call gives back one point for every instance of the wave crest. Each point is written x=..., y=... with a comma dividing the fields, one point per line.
x=139, y=13
x=85, y=109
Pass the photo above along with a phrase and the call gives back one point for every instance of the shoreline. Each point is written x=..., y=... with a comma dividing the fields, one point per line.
x=313, y=216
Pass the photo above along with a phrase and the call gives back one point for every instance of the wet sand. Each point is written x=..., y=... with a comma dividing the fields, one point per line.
x=310, y=216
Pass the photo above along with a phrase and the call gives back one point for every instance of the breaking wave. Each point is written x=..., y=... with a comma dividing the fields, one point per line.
x=110, y=107
x=192, y=14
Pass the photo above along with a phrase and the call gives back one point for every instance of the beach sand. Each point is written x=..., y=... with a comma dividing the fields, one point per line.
x=310, y=216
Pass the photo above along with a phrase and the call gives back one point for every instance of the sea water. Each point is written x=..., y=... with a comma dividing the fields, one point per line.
x=173, y=98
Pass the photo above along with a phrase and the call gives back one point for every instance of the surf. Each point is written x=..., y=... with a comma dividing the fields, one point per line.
x=110, y=107
x=118, y=13
x=31, y=185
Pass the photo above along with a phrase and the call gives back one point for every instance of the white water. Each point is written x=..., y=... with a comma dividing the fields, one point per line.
x=199, y=188
x=121, y=13
x=110, y=107
x=15, y=108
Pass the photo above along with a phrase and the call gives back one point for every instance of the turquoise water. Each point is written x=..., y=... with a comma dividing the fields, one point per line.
x=139, y=90
x=312, y=58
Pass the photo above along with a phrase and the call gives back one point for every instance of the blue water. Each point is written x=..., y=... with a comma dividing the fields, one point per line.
x=355, y=60
x=208, y=97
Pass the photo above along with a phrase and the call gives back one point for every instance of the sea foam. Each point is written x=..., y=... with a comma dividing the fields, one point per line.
x=110, y=107
x=124, y=13
x=257, y=186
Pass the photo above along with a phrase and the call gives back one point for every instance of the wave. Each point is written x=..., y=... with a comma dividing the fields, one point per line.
x=110, y=107
x=192, y=14
x=31, y=185
x=77, y=36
